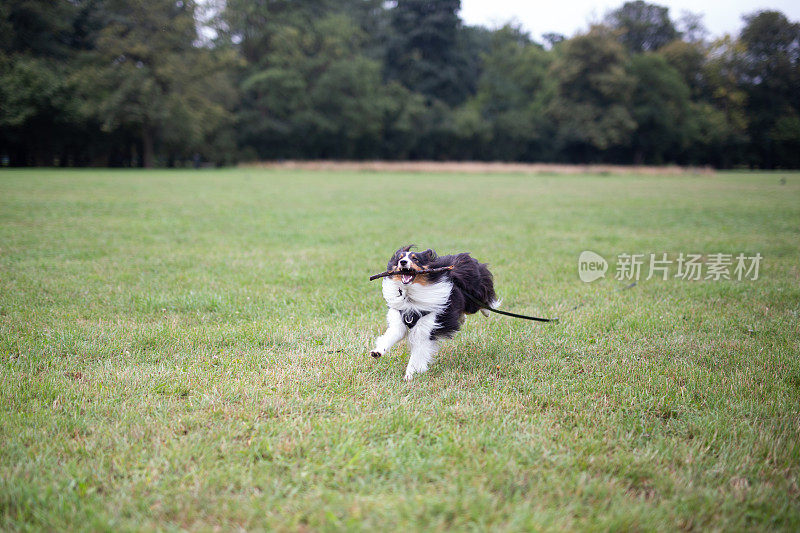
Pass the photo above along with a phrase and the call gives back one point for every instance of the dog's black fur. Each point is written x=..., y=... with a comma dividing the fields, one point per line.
x=468, y=276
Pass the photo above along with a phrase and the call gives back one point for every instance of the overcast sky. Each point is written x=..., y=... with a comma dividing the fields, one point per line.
x=569, y=17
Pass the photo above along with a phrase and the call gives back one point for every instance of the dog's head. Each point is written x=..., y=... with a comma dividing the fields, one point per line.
x=406, y=263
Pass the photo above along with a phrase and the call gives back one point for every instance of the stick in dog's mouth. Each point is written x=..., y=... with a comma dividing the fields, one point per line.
x=406, y=275
x=412, y=273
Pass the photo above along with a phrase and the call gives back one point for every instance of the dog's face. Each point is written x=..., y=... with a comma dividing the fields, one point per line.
x=406, y=262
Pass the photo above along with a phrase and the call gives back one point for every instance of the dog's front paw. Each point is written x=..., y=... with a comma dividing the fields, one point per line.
x=376, y=353
x=410, y=372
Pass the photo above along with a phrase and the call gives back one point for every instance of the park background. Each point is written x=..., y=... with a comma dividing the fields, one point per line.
x=157, y=83
x=187, y=349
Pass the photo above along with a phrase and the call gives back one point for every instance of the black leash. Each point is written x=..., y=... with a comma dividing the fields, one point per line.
x=515, y=315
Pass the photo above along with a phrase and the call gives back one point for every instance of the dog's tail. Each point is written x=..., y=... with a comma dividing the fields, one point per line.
x=494, y=304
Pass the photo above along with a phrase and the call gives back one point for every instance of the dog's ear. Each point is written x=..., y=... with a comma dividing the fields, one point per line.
x=406, y=248
x=428, y=256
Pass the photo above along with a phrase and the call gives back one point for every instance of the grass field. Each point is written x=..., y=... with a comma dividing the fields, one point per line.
x=188, y=349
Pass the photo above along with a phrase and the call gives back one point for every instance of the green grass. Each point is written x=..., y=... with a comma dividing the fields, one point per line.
x=189, y=350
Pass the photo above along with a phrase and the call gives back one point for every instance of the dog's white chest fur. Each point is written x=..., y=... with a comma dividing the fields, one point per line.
x=429, y=300
x=417, y=297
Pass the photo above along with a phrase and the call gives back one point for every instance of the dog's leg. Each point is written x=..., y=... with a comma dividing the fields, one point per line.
x=422, y=348
x=395, y=332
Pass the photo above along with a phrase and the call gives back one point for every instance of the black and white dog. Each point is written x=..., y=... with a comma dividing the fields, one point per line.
x=430, y=307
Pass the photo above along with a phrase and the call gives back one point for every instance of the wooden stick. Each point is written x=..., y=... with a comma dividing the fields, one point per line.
x=414, y=272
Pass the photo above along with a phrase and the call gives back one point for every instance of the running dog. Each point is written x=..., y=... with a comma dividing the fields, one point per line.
x=429, y=307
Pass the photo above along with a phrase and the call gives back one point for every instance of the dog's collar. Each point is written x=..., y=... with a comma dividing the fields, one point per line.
x=410, y=318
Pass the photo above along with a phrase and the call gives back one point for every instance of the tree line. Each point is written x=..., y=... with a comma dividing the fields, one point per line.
x=175, y=83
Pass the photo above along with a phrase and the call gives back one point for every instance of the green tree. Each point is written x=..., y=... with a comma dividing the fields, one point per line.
x=252, y=26
x=39, y=118
x=146, y=77
x=593, y=89
x=506, y=114
x=317, y=95
x=719, y=113
x=404, y=119
x=39, y=28
x=422, y=53
x=642, y=27
x=660, y=106
x=770, y=77
x=689, y=59
x=39, y=122
x=717, y=120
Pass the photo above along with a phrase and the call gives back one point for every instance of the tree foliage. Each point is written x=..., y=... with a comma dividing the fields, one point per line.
x=171, y=82
x=145, y=77
x=771, y=77
x=660, y=107
x=642, y=27
x=593, y=91
x=422, y=51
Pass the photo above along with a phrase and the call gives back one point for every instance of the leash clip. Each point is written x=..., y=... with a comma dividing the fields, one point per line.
x=410, y=318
